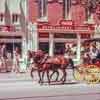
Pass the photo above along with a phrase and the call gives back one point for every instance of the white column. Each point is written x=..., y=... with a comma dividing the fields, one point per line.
x=24, y=46
x=78, y=48
x=35, y=42
x=67, y=9
x=33, y=36
x=51, y=44
x=91, y=19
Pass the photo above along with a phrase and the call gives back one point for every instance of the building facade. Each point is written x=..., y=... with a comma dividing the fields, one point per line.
x=13, y=18
x=63, y=21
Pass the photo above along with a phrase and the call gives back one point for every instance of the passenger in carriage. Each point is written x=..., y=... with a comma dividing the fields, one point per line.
x=93, y=53
x=0, y=50
x=98, y=56
x=86, y=58
x=69, y=55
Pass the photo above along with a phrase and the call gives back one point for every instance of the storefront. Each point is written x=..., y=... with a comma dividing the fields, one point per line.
x=53, y=38
x=11, y=38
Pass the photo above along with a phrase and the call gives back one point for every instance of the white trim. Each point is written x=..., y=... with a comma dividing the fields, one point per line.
x=51, y=44
x=60, y=40
x=10, y=40
x=11, y=33
x=59, y=31
x=43, y=19
x=56, y=40
x=42, y=16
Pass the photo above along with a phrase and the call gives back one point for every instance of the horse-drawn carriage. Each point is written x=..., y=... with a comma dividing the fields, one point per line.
x=89, y=71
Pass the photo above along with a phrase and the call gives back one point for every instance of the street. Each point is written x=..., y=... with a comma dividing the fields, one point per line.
x=22, y=87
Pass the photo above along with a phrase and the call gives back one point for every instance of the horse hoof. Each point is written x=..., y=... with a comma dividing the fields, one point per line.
x=63, y=82
x=41, y=83
x=56, y=80
x=48, y=83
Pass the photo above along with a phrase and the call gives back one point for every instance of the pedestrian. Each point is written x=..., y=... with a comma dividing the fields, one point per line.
x=4, y=56
x=16, y=57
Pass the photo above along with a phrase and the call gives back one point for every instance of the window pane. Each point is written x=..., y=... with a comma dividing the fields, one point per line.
x=1, y=17
x=14, y=18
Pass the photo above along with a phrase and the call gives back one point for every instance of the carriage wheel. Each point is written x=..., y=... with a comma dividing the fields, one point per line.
x=92, y=79
x=78, y=75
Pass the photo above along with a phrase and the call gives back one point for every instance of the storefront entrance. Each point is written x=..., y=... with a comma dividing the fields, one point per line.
x=59, y=48
x=44, y=46
x=10, y=47
x=11, y=43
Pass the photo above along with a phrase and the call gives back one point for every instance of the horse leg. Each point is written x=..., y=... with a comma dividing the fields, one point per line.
x=42, y=79
x=57, y=75
x=48, y=77
x=39, y=74
x=52, y=74
x=64, y=77
x=31, y=73
x=55, y=70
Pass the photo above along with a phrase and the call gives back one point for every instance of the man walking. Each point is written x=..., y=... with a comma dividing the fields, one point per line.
x=4, y=56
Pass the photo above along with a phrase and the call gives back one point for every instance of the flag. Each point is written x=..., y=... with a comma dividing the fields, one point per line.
x=7, y=15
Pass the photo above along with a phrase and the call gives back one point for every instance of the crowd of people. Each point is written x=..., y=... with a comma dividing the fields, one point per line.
x=8, y=60
x=90, y=52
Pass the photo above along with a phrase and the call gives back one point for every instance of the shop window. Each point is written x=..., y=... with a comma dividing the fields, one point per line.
x=44, y=46
x=66, y=8
x=85, y=36
x=15, y=18
x=59, y=48
x=42, y=9
x=68, y=36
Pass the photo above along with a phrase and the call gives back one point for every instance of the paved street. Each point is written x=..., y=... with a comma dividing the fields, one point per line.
x=21, y=87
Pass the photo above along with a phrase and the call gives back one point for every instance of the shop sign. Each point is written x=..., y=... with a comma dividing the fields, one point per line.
x=69, y=28
x=66, y=22
x=66, y=25
x=55, y=27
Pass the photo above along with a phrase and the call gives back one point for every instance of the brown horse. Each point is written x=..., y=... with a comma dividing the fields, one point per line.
x=44, y=63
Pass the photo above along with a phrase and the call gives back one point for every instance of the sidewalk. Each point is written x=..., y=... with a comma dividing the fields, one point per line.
x=14, y=77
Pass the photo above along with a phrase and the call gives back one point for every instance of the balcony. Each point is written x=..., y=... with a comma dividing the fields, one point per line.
x=10, y=28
